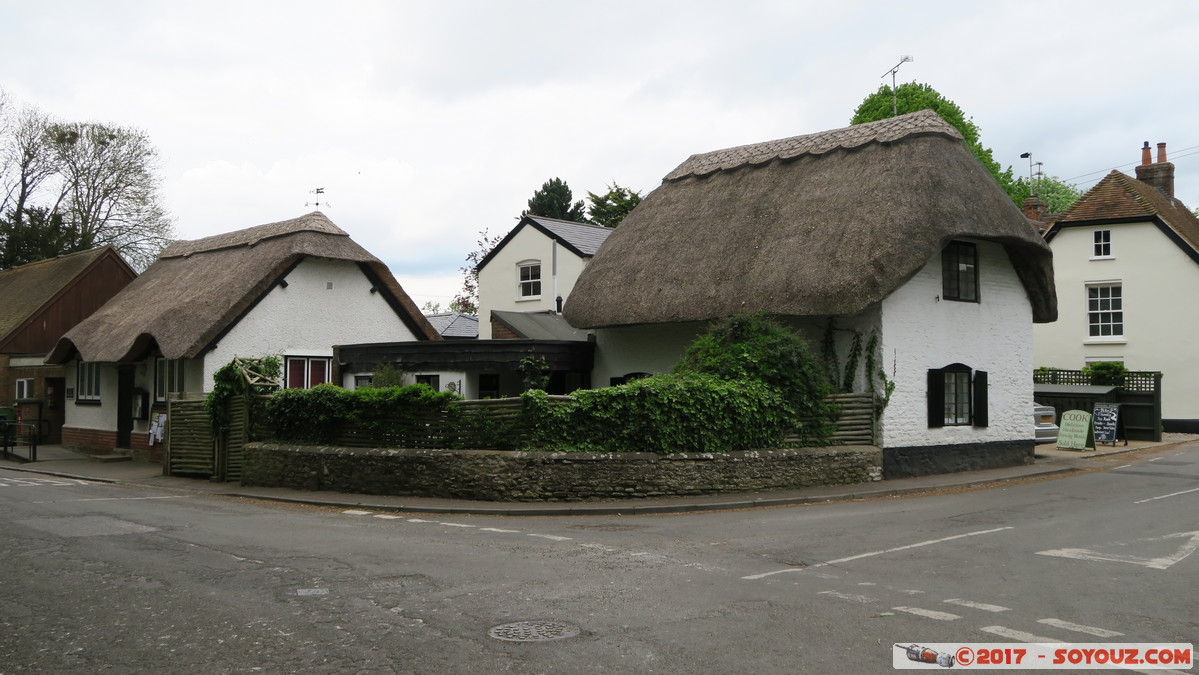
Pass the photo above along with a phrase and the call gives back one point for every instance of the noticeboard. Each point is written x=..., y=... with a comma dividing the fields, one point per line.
x=1107, y=417
x=1074, y=430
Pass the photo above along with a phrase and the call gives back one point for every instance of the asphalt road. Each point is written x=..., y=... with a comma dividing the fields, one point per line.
x=111, y=578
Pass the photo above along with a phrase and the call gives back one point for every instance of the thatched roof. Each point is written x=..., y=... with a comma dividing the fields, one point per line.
x=817, y=225
x=1119, y=198
x=198, y=290
x=27, y=289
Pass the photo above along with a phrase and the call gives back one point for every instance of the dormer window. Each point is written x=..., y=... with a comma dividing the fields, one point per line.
x=1103, y=244
x=529, y=276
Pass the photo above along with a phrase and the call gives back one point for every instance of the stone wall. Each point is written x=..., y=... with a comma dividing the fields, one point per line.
x=552, y=476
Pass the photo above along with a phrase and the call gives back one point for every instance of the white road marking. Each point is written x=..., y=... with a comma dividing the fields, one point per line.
x=1159, y=563
x=606, y=549
x=496, y=529
x=418, y=520
x=864, y=599
x=1079, y=628
x=1015, y=635
x=356, y=512
x=876, y=553
x=387, y=516
x=110, y=499
x=928, y=613
x=456, y=525
x=1172, y=494
x=977, y=605
x=553, y=537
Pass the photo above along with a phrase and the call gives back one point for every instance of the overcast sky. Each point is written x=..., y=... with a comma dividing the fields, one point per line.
x=427, y=122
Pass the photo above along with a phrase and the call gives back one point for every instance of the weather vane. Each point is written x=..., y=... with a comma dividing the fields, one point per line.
x=318, y=192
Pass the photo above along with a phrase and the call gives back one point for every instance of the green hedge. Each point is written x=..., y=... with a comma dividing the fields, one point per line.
x=663, y=414
x=322, y=414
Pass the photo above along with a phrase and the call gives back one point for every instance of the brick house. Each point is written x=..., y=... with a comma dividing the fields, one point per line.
x=42, y=301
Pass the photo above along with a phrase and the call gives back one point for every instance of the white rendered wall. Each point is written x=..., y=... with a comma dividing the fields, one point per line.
x=640, y=349
x=1161, y=326
x=499, y=280
x=920, y=331
x=308, y=317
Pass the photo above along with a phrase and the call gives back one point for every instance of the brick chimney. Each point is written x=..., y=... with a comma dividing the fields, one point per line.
x=1160, y=174
x=1034, y=208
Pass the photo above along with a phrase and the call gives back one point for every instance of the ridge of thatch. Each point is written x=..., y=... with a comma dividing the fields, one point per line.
x=882, y=131
x=26, y=289
x=829, y=231
x=1121, y=197
x=196, y=291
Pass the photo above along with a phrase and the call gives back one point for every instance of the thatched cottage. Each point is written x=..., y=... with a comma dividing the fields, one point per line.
x=293, y=288
x=891, y=228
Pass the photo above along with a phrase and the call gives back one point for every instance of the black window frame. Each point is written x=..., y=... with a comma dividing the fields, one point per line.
x=958, y=284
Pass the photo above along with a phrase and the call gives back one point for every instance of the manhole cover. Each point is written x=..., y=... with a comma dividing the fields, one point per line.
x=534, y=631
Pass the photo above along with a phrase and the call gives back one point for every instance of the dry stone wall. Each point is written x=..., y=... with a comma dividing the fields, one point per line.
x=552, y=476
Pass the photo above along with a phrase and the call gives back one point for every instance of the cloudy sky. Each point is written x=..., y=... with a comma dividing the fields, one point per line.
x=428, y=122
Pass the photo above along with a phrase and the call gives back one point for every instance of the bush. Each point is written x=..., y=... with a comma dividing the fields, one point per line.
x=663, y=414
x=321, y=414
x=1107, y=373
x=752, y=347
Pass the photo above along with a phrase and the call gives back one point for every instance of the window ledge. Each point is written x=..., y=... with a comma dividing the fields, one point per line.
x=528, y=298
x=87, y=401
x=1105, y=341
x=1103, y=257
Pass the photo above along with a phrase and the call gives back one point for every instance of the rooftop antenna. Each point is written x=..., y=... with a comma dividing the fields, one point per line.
x=894, y=92
x=318, y=192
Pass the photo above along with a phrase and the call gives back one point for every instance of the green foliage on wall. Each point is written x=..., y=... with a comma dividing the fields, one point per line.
x=752, y=347
x=663, y=414
x=231, y=380
x=1106, y=373
x=321, y=414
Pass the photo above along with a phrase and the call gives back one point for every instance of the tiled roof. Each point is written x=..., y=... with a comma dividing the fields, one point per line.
x=585, y=237
x=1119, y=197
x=454, y=324
x=27, y=288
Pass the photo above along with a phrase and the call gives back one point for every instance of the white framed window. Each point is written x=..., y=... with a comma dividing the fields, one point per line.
x=305, y=372
x=87, y=382
x=529, y=278
x=1102, y=247
x=24, y=388
x=168, y=378
x=1105, y=310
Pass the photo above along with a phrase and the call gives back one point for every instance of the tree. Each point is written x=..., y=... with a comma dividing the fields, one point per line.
x=71, y=186
x=467, y=300
x=611, y=208
x=913, y=97
x=39, y=235
x=110, y=189
x=553, y=200
x=1057, y=194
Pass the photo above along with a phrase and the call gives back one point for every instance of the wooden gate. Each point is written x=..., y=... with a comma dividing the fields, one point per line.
x=190, y=443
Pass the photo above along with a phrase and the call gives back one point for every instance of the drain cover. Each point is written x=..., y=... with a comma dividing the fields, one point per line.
x=534, y=631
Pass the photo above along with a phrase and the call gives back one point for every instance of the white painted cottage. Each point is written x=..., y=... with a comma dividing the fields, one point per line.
x=891, y=228
x=293, y=289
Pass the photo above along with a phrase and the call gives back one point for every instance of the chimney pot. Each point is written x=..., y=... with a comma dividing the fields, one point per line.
x=1161, y=153
x=1146, y=154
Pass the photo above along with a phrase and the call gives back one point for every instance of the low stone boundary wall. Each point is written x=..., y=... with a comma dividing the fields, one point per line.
x=552, y=476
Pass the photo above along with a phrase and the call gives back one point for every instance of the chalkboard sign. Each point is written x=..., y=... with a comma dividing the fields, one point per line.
x=1107, y=416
